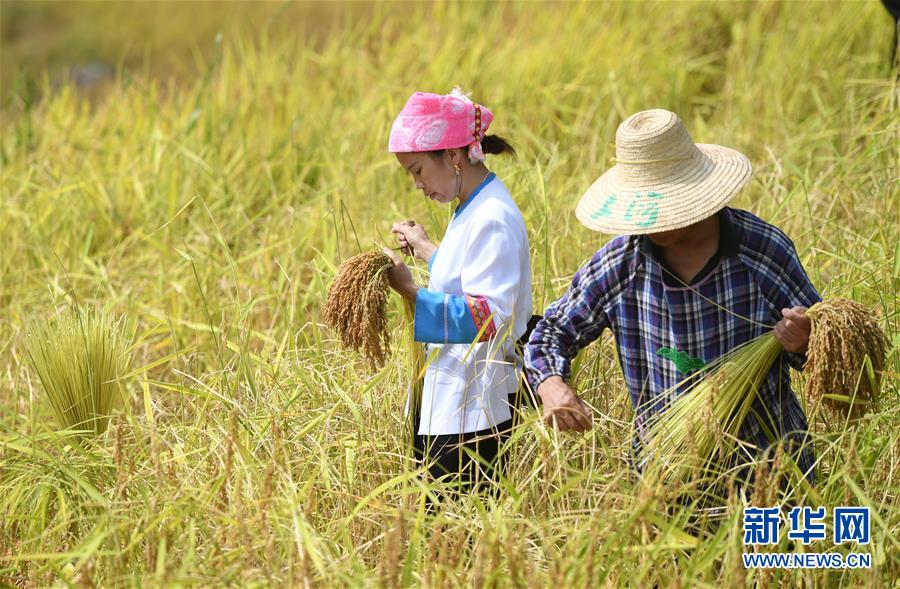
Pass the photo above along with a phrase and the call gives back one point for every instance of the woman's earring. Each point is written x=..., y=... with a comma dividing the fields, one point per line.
x=456, y=167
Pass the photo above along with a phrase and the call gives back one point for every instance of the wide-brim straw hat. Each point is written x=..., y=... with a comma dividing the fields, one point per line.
x=662, y=180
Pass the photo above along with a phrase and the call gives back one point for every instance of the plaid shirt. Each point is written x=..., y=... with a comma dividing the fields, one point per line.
x=623, y=288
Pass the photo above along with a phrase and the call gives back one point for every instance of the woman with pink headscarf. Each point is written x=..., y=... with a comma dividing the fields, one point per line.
x=478, y=300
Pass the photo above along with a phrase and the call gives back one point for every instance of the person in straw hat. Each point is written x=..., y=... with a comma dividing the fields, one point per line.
x=688, y=280
x=478, y=299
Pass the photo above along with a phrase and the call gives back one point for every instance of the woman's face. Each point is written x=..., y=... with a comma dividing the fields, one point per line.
x=434, y=176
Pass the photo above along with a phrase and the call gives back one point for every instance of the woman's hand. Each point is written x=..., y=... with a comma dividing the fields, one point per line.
x=562, y=407
x=399, y=276
x=793, y=331
x=413, y=240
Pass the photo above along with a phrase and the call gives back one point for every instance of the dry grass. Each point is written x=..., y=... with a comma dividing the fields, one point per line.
x=356, y=308
x=845, y=358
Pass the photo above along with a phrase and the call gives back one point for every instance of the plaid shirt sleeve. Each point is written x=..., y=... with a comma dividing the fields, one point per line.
x=578, y=317
x=776, y=266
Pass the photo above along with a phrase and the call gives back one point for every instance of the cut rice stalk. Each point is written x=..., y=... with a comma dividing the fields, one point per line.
x=844, y=362
x=700, y=420
x=415, y=370
x=80, y=358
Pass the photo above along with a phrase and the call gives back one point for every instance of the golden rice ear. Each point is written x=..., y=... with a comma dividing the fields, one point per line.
x=845, y=357
x=356, y=306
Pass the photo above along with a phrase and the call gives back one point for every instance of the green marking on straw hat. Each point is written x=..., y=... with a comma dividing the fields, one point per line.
x=604, y=209
x=644, y=205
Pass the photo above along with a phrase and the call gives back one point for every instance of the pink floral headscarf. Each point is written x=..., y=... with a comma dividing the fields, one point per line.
x=431, y=122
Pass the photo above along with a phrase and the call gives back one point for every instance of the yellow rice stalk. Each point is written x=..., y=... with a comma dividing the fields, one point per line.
x=706, y=417
x=845, y=357
x=79, y=359
x=356, y=307
x=415, y=368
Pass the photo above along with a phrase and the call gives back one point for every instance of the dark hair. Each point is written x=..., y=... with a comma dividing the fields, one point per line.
x=491, y=144
x=494, y=144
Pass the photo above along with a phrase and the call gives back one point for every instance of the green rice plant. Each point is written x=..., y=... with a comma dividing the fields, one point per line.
x=49, y=488
x=80, y=358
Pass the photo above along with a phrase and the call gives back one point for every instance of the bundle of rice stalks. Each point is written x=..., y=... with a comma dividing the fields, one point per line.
x=703, y=421
x=845, y=357
x=79, y=358
x=705, y=418
x=356, y=308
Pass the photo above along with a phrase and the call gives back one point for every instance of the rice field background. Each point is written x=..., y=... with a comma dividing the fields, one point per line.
x=208, y=188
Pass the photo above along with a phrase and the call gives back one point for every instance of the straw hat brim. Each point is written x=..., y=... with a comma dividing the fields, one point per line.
x=692, y=192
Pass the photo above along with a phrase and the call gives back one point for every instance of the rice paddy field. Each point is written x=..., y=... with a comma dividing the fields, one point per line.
x=208, y=188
